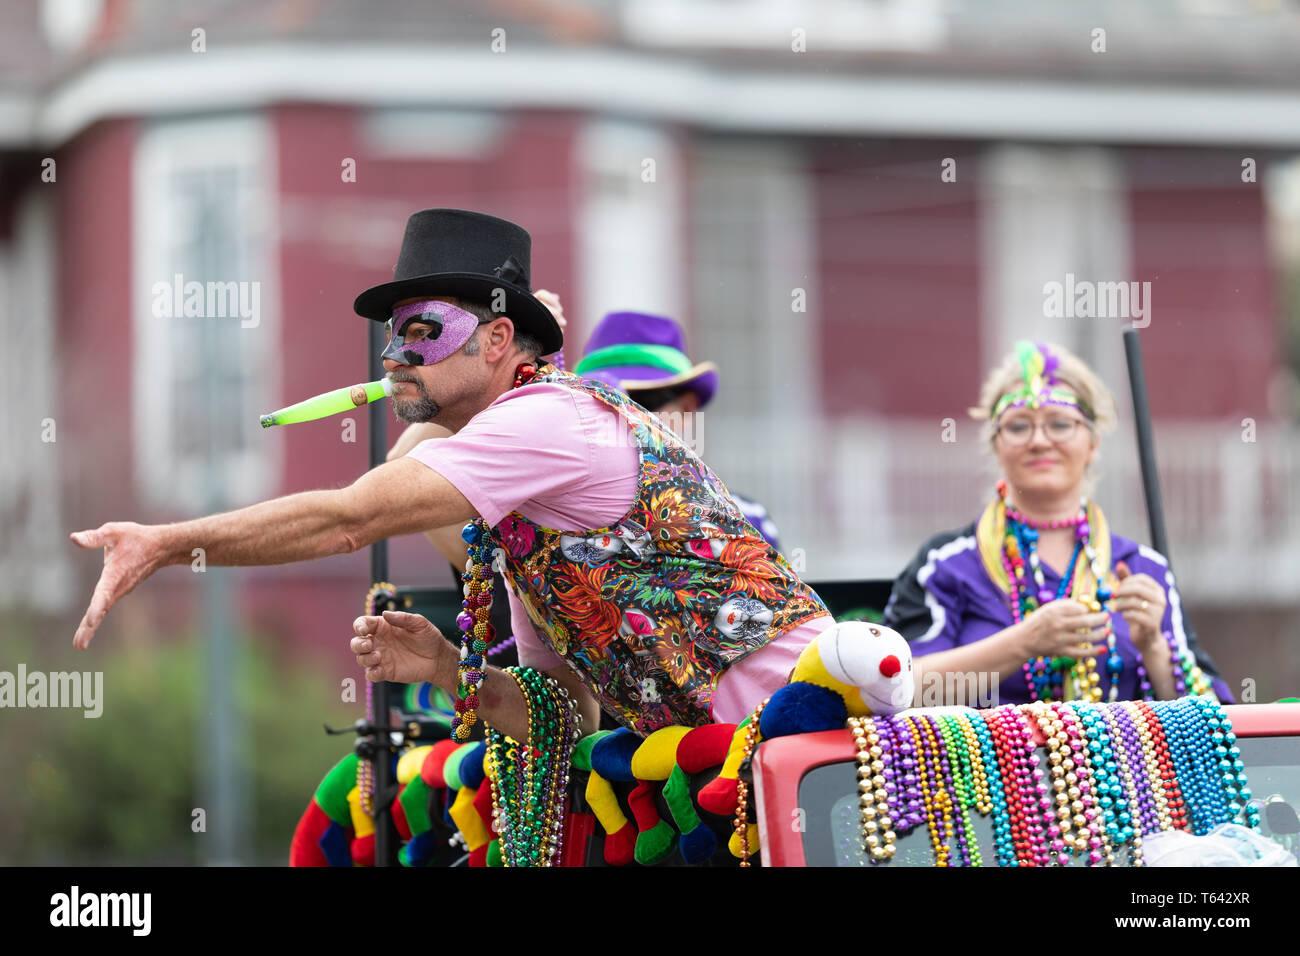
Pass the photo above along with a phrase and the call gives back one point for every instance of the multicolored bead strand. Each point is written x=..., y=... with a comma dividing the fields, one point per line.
x=1092, y=836
x=530, y=779
x=996, y=794
x=1117, y=772
x=1130, y=819
x=475, y=625
x=1020, y=545
x=474, y=620
x=1135, y=759
x=1111, y=803
x=963, y=780
x=934, y=806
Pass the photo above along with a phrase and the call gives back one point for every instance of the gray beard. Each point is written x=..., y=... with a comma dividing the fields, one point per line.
x=412, y=410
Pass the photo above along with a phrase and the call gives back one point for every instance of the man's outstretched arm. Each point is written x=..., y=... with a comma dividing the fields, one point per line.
x=398, y=497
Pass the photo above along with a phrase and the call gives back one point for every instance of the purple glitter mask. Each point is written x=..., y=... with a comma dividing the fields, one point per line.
x=448, y=329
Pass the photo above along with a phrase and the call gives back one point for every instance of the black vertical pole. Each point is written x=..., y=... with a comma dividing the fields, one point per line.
x=386, y=839
x=1146, y=442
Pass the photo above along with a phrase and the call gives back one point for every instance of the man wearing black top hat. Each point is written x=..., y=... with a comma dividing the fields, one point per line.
x=465, y=331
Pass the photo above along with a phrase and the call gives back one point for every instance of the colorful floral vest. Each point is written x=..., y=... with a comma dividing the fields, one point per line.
x=650, y=611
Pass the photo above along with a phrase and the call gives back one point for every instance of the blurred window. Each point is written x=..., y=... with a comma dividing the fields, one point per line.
x=205, y=329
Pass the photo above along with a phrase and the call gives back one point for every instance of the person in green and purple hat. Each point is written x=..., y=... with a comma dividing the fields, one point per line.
x=645, y=356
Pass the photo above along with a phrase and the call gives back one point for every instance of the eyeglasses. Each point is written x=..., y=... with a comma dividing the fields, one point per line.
x=1058, y=430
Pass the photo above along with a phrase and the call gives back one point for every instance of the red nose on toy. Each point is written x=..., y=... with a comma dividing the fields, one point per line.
x=890, y=666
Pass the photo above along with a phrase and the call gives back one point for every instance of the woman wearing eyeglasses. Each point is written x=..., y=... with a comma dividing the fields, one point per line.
x=1038, y=598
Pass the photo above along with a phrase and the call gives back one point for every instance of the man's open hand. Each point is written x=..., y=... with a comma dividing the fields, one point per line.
x=132, y=552
x=399, y=647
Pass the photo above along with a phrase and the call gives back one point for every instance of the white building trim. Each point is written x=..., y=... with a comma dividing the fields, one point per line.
x=669, y=90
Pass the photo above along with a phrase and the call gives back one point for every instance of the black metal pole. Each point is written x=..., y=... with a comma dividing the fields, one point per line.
x=386, y=839
x=1146, y=442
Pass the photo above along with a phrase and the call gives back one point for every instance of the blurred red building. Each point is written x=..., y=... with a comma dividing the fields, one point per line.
x=854, y=231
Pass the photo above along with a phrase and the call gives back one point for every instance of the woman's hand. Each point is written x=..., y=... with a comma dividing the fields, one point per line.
x=400, y=647
x=1065, y=628
x=1141, y=601
x=414, y=434
x=552, y=302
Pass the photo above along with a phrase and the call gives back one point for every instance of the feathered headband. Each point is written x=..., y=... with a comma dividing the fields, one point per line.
x=1038, y=367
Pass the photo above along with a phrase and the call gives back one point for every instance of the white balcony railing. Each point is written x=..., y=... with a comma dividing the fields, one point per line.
x=857, y=499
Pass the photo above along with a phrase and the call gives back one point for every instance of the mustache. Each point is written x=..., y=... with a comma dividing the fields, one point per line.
x=403, y=378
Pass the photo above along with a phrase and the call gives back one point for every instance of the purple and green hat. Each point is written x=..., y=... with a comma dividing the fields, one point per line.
x=633, y=350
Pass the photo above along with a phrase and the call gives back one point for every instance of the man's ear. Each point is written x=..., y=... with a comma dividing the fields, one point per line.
x=689, y=401
x=500, y=336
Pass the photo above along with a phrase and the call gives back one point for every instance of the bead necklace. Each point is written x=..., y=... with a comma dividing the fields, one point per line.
x=1135, y=760
x=1157, y=776
x=995, y=794
x=1022, y=538
x=1192, y=754
x=878, y=834
x=944, y=766
x=741, y=823
x=380, y=596
x=912, y=812
x=1035, y=791
x=1128, y=816
x=1092, y=835
x=474, y=620
x=933, y=807
x=1009, y=771
x=530, y=779
x=1231, y=768
x=1117, y=772
x=889, y=756
x=963, y=785
x=1041, y=675
x=1188, y=676
x=1174, y=795
x=1060, y=764
x=1109, y=792
x=1016, y=748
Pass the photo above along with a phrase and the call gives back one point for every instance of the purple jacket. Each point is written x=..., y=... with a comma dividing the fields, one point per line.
x=944, y=599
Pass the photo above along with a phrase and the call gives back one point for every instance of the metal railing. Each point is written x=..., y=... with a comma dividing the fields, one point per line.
x=855, y=499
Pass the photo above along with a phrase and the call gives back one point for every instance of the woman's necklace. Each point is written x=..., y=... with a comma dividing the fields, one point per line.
x=1045, y=677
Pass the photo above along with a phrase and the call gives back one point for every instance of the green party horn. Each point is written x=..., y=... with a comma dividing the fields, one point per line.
x=330, y=403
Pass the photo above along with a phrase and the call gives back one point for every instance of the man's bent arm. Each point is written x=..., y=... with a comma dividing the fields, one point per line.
x=398, y=497
x=501, y=702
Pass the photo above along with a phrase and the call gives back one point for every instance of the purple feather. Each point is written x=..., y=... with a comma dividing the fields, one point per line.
x=1050, y=363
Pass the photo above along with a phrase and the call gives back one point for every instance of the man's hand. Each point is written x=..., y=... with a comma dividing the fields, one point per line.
x=132, y=552
x=300, y=527
x=399, y=647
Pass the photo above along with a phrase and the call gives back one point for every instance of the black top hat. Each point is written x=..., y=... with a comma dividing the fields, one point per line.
x=469, y=255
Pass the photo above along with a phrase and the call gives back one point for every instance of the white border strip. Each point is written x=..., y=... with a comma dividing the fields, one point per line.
x=666, y=89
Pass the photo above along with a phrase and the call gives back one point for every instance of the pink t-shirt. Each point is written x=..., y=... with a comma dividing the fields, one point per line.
x=565, y=460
